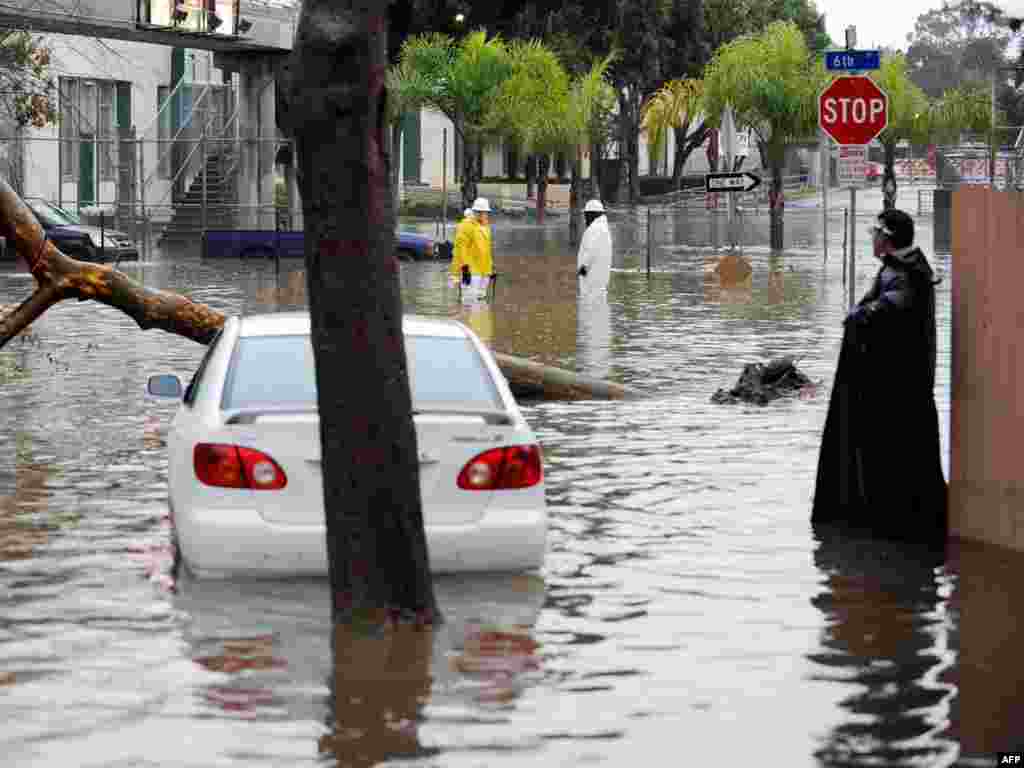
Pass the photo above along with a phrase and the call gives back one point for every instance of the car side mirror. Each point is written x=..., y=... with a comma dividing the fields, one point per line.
x=164, y=385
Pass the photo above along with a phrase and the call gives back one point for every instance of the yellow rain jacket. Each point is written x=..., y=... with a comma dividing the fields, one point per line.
x=472, y=248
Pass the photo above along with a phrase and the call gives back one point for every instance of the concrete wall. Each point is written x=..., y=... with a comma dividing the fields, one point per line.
x=987, y=419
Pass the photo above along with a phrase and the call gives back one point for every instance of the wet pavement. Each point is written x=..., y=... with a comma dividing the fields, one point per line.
x=686, y=613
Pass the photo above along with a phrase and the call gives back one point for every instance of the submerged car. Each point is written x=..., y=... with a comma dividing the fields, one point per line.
x=244, y=464
x=81, y=241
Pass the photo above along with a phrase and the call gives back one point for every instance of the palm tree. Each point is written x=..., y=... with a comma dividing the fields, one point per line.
x=676, y=106
x=460, y=79
x=772, y=83
x=591, y=104
x=531, y=108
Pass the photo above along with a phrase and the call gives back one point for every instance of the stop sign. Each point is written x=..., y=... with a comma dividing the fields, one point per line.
x=853, y=110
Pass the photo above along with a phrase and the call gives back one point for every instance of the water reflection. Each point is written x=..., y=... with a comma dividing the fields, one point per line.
x=988, y=715
x=887, y=637
x=23, y=513
x=594, y=336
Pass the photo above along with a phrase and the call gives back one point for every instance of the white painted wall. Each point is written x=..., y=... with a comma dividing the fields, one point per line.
x=146, y=67
x=432, y=127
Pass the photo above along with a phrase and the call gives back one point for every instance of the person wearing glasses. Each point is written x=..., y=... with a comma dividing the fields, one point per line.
x=879, y=465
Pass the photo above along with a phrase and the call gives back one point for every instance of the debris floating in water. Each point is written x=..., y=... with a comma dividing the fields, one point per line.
x=760, y=383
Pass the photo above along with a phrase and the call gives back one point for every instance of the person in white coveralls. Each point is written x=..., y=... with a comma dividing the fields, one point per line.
x=594, y=258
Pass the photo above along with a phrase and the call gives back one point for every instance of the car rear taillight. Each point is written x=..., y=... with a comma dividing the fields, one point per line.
x=499, y=469
x=232, y=466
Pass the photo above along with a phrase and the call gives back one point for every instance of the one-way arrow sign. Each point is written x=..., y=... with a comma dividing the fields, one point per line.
x=731, y=182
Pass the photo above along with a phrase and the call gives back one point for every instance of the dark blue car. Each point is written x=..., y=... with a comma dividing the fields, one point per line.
x=81, y=241
x=264, y=243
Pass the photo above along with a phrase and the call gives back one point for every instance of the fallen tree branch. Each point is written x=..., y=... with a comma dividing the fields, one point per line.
x=60, y=277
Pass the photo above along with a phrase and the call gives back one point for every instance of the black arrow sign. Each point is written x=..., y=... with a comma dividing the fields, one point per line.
x=731, y=182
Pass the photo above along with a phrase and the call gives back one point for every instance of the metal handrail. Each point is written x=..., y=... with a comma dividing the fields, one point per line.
x=185, y=163
x=167, y=102
x=184, y=126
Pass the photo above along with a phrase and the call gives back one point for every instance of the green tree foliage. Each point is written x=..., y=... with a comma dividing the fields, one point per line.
x=725, y=20
x=956, y=44
x=531, y=108
x=771, y=81
x=461, y=79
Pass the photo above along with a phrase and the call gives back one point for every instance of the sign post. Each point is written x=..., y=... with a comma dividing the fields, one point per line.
x=852, y=110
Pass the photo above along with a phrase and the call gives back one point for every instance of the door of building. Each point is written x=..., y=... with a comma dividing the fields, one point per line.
x=411, y=157
x=87, y=145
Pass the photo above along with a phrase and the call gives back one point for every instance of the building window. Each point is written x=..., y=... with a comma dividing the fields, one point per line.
x=69, y=127
x=107, y=149
x=88, y=112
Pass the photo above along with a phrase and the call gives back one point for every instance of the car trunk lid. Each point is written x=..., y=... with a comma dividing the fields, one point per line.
x=447, y=439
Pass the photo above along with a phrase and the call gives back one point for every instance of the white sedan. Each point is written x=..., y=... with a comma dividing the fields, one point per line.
x=246, y=491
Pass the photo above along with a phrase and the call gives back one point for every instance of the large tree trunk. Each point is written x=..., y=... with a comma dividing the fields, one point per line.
x=470, y=173
x=574, y=200
x=543, y=165
x=395, y=150
x=686, y=143
x=332, y=99
x=889, y=177
x=622, y=194
x=634, y=146
x=775, y=153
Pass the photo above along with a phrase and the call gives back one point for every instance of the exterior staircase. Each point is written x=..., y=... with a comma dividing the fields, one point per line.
x=187, y=220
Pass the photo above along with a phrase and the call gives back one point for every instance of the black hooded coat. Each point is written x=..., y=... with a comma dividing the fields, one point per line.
x=879, y=467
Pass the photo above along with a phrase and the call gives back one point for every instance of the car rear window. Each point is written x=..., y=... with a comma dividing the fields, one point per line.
x=278, y=371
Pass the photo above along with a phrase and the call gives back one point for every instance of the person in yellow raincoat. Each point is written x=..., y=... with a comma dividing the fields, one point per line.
x=473, y=252
x=461, y=245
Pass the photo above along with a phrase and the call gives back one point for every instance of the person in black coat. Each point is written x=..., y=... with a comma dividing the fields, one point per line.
x=879, y=467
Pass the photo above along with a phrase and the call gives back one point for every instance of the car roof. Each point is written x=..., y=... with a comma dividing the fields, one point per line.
x=298, y=323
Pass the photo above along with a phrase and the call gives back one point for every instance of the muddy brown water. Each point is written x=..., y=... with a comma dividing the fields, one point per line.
x=686, y=612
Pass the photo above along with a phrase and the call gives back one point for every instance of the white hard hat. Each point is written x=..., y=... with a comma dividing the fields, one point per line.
x=468, y=212
x=593, y=206
x=481, y=204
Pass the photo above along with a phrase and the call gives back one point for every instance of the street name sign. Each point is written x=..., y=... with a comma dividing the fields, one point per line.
x=731, y=182
x=855, y=60
x=852, y=109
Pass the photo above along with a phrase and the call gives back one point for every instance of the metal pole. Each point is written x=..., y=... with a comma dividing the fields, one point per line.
x=845, y=212
x=142, y=197
x=824, y=193
x=444, y=184
x=853, y=243
x=992, y=135
x=648, y=241
x=60, y=173
x=206, y=178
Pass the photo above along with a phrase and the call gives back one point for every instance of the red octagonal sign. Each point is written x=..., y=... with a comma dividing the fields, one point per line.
x=853, y=110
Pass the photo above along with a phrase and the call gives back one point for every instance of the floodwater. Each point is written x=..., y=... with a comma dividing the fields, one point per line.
x=686, y=614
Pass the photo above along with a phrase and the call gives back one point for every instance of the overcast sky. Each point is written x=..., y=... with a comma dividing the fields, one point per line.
x=884, y=22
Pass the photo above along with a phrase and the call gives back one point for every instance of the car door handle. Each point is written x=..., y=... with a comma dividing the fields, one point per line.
x=426, y=458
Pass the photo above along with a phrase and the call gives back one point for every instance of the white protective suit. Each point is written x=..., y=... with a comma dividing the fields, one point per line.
x=595, y=254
